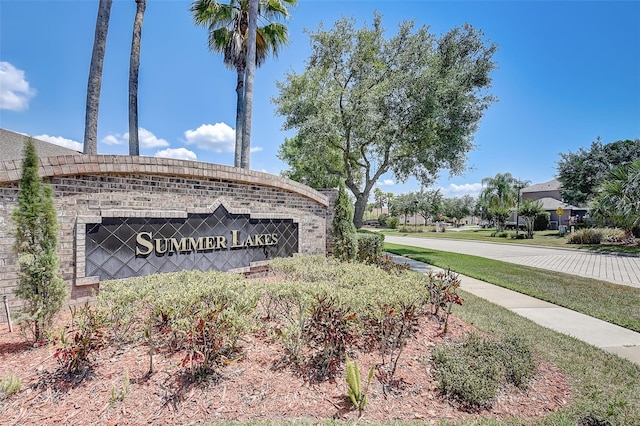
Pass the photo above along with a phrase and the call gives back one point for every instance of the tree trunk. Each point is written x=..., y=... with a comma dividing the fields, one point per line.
x=239, y=116
x=359, y=209
x=95, y=78
x=134, y=67
x=248, y=94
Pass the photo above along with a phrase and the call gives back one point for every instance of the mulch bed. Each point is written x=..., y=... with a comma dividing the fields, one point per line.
x=257, y=386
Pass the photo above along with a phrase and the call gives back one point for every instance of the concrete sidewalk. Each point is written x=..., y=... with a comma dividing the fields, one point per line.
x=606, y=336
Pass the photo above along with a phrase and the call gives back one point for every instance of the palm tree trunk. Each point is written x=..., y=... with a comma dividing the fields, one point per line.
x=134, y=67
x=239, y=116
x=95, y=78
x=248, y=96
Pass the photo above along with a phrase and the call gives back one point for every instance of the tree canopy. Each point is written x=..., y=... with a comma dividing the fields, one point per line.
x=582, y=172
x=366, y=105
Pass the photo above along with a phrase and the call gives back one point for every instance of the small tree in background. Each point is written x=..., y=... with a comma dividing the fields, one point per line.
x=345, y=240
x=39, y=281
x=530, y=210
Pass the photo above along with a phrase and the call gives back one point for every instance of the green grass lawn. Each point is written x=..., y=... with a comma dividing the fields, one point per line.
x=610, y=302
x=604, y=387
x=542, y=238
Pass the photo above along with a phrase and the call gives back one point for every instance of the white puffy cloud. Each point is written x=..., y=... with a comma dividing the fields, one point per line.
x=386, y=182
x=454, y=190
x=217, y=137
x=146, y=138
x=116, y=139
x=59, y=140
x=177, y=153
x=254, y=149
x=15, y=91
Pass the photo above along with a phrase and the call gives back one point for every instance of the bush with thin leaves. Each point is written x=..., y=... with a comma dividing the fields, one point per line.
x=585, y=236
x=9, y=385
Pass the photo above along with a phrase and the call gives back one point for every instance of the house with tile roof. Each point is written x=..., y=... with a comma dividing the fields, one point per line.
x=549, y=194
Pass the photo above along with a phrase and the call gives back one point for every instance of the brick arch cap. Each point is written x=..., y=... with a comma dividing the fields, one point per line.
x=70, y=165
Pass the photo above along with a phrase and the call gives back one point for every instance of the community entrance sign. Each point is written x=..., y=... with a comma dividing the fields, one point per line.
x=221, y=241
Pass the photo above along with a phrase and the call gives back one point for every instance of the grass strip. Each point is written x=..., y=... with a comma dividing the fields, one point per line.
x=604, y=387
x=609, y=302
x=542, y=238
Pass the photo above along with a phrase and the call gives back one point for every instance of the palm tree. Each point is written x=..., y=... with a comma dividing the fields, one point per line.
x=618, y=198
x=498, y=196
x=248, y=92
x=134, y=66
x=530, y=210
x=228, y=26
x=95, y=78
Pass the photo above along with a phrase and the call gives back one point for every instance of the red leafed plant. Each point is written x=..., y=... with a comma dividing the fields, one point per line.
x=81, y=340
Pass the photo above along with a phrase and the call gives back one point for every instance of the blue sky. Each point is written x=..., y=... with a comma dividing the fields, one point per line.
x=568, y=73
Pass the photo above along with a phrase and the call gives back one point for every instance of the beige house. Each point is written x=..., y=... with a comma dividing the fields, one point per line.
x=549, y=194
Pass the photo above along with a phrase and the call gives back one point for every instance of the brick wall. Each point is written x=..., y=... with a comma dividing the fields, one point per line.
x=90, y=187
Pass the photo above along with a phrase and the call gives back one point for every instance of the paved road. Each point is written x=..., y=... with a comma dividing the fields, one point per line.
x=617, y=269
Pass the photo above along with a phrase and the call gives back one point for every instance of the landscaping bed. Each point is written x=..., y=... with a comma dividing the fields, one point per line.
x=258, y=380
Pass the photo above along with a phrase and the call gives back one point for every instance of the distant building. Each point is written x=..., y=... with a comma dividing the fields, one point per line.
x=549, y=194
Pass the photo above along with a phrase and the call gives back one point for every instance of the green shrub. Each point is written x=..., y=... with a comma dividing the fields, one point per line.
x=39, y=282
x=382, y=219
x=345, y=242
x=541, y=222
x=9, y=385
x=370, y=308
x=586, y=236
x=473, y=370
x=516, y=357
x=369, y=246
x=192, y=311
x=393, y=222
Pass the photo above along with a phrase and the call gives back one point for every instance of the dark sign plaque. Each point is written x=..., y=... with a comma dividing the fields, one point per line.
x=220, y=241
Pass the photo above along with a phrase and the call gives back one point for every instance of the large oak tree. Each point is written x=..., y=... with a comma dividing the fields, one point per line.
x=366, y=105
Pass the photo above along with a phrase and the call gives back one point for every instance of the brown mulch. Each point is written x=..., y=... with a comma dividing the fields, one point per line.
x=257, y=386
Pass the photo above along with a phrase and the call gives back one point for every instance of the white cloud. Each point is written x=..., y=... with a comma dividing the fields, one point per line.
x=116, y=139
x=59, y=140
x=454, y=190
x=217, y=137
x=15, y=92
x=177, y=153
x=146, y=138
x=386, y=182
x=254, y=149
